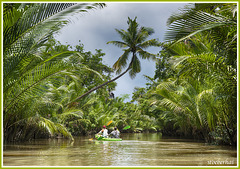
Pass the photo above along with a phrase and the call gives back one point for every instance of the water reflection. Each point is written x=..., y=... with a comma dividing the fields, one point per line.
x=135, y=150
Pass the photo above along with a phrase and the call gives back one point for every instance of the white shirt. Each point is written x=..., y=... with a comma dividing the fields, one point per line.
x=105, y=133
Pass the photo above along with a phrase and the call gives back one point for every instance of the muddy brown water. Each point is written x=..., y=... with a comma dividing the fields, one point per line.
x=135, y=150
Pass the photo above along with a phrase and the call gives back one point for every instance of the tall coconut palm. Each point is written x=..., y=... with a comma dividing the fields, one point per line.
x=134, y=42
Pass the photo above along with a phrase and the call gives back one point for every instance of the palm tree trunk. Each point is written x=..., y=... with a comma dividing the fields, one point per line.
x=97, y=87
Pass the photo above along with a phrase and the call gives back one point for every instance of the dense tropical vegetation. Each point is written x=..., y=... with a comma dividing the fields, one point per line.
x=193, y=93
x=198, y=94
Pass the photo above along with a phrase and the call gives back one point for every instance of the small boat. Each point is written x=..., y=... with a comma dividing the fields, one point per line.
x=107, y=139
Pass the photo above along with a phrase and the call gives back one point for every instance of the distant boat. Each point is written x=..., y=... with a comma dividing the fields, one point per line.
x=100, y=138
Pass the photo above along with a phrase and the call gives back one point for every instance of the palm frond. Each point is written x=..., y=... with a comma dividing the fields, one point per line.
x=71, y=113
x=146, y=55
x=31, y=81
x=175, y=107
x=93, y=71
x=36, y=14
x=118, y=44
x=143, y=33
x=54, y=128
x=135, y=67
x=122, y=61
x=191, y=23
x=203, y=28
x=124, y=35
x=25, y=66
x=25, y=37
x=42, y=16
x=149, y=43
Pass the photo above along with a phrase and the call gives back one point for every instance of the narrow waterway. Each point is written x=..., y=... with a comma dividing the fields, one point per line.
x=135, y=150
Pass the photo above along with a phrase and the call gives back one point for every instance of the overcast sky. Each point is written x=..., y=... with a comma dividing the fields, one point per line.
x=97, y=27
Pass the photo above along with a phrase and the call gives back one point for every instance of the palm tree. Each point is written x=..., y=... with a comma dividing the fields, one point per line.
x=27, y=28
x=203, y=40
x=187, y=102
x=135, y=41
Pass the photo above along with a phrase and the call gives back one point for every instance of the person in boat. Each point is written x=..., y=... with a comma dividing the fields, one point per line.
x=103, y=132
x=115, y=133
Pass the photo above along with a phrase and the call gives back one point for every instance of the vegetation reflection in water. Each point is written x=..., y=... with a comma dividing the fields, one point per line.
x=134, y=150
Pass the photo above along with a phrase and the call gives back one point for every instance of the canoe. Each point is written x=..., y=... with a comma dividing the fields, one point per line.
x=107, y=139
x=111, y=139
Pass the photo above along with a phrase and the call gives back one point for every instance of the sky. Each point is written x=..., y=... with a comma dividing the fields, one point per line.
x=96, y=27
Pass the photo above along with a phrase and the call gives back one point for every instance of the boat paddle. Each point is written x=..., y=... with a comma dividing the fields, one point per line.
x=109, y=123
x=127, y=127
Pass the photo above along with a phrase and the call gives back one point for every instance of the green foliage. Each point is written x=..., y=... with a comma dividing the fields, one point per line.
x=193, y=93
x=200, y=99
x=218, y=21
x=163, y=66
x=28, y=63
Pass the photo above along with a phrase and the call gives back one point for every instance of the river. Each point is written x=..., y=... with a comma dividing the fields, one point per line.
x=140, y=149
